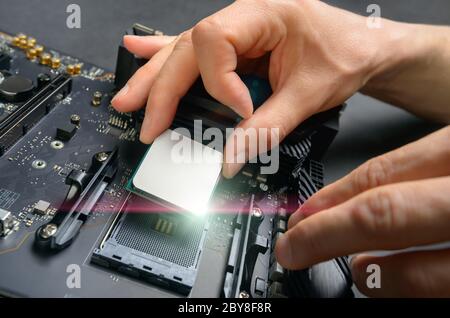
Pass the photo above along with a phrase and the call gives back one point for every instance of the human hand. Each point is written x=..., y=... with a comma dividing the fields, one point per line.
x=314, y=55
x=395, y=201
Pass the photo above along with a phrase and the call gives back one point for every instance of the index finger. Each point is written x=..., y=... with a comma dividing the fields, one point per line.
x=241, y=29
x=386, y=218
x=414, y=161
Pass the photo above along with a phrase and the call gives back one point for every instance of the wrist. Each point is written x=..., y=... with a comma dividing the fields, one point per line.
x=396, y=49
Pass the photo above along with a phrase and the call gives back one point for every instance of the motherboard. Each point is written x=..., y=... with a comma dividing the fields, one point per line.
x=66, y=160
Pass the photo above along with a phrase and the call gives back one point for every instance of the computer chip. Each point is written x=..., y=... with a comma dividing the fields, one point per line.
x=178, y=172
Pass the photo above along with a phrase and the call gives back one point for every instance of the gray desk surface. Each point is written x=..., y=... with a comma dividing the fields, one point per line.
x=368, y=127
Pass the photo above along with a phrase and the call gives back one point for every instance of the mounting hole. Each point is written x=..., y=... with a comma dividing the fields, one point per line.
x=39, y=164
x=57, y=144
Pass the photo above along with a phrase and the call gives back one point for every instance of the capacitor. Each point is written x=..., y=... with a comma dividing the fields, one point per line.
x=23, y=43
x=21, y=40
x=45, y=59
x=31, y=54
x=39, y=50
x=75, y=119
x=55, y=63
x=31, y=42
x=97, y=98
x=77, y=69
x=70, y=69
x=15, y=41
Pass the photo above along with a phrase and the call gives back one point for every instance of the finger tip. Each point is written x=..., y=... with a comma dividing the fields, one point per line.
x=128, y=38
x=229, y=170
x=145, y=139
x=147, y=134
x=283, y=251
x=247, y=113
x=357, y=272
x=131, y=37
x=119, y=101
x=144, y=135
x=226, y=174
x=359, y=262
x=117, y=104
x=132, y=43
x=246, y=107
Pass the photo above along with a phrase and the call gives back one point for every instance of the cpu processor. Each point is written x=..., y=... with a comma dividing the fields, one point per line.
x=178, y=172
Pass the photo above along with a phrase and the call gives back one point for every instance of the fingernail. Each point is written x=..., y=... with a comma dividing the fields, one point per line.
x=145, y=134
x=246, y=113
x=247, y=103
x=130, y=36
x=144, y=138
x=284, y=251
x=233, y=159
x=121, y=93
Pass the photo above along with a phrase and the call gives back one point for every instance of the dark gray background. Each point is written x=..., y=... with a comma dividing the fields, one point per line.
x=368, y=128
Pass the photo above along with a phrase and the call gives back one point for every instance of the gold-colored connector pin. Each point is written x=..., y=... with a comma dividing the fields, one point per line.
x=31, y=54
x=31, y=42
x=39, y=50
x=45, y=59
x=70, y=69
x=77, y=69
x=55, y=63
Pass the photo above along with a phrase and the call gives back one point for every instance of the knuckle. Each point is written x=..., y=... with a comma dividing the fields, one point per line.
x=184, y=40
x=372, y=174
x=376, y=214
x=203, y=30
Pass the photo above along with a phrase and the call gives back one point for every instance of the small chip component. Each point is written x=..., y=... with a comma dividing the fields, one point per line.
x=41, y=207
x=65, y=131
